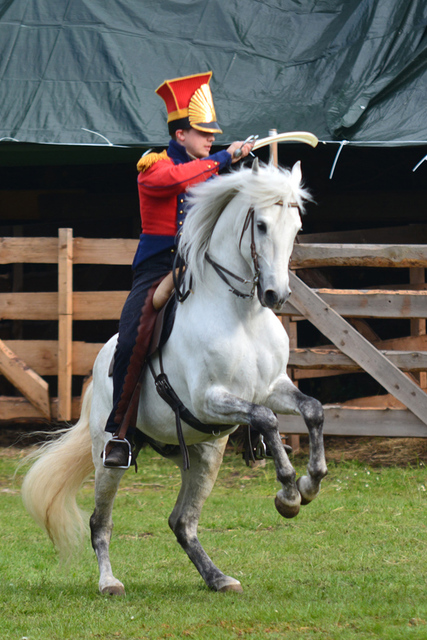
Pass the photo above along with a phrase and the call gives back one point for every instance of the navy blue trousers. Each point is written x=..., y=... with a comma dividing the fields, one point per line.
x=145, y=275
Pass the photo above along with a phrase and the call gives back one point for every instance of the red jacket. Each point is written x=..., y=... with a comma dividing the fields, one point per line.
x=162, y=182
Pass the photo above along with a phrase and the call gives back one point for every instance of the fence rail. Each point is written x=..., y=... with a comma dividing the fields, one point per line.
x=25, y=363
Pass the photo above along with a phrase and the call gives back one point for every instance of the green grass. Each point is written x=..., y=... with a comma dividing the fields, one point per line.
x=353, y=564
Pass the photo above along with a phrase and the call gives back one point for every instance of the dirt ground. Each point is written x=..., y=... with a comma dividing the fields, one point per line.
x=377, y=452
x=373, y=451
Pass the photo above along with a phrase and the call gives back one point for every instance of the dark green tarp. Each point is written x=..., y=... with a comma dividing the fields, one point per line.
x=85, y=71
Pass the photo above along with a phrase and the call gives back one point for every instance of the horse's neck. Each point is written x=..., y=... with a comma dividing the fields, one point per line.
x=225, y=240
x=224, y=250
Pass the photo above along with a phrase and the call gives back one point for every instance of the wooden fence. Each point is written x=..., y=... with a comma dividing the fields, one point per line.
x=398, y=364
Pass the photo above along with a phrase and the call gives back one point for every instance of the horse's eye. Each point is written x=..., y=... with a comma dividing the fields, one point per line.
x=261, y=226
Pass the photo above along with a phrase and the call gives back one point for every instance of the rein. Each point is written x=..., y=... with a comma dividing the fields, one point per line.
x=223, y=272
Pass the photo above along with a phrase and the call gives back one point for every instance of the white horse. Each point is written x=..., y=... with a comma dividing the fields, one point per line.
x=226, y=359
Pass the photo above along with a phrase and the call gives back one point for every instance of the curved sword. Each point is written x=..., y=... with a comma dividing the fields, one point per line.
x=289, y=136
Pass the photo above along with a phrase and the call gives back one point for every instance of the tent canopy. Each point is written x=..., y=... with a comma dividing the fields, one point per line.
x=85, y=72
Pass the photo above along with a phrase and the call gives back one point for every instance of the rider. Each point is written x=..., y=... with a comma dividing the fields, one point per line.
x=162, y=182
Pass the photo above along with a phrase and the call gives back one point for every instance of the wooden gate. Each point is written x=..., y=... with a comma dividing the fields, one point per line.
x=338, y=314
x=392, y=365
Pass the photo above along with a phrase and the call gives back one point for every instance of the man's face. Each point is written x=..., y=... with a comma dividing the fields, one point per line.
x=196, y=143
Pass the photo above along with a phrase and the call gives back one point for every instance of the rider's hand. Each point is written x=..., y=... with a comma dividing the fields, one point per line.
x=246, y=149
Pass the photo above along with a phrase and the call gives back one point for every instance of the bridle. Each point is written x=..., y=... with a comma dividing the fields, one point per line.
x=223, y=272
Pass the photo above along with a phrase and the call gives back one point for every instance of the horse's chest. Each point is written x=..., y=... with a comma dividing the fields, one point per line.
x=254, y=357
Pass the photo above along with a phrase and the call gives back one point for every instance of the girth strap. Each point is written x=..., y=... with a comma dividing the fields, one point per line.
x=167, y=393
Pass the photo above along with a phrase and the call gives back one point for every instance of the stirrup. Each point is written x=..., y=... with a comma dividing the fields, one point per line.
x=261, y=449
x=262, y=453
x=125, y=444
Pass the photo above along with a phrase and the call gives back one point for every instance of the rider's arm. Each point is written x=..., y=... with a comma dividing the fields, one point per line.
x=165, y=178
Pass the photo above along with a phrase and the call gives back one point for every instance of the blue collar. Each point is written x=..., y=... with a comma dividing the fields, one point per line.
x=177, y=152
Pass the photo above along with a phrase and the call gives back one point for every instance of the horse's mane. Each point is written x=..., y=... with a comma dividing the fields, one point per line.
x=207, y=201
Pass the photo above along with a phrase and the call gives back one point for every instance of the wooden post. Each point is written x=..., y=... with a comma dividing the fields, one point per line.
x=274, y=150
x=418, y=325
x=65, y=322
x=290, y=327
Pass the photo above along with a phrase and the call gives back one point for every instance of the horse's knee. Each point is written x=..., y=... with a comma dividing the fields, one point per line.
x=311, y=410
x=263, y=419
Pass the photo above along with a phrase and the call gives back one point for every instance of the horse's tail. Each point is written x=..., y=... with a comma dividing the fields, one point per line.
x=50, y=487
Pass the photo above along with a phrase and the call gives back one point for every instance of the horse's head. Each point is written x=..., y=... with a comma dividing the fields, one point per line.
x=244, y=225
x=270, y=230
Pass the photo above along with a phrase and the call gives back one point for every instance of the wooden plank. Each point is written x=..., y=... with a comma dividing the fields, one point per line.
x=98, y=305
x=358, y=255
x=27, y=381
x=407, y=234
x=42, y=355
x=384, y=401
x=87, y=305
x=84, y=355
x=320, y=358
x=29, y=306
x=304, y=374
x=369, y=304
x=338, y=420
x=21, y=410
x=65, y=322
x=390, y=423
x=406, y=343
x=29, y=250
x=118, y=251
x=350, y=342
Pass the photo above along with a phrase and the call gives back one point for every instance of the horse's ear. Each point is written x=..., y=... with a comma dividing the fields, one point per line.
x=296, y=172
x=255, y=166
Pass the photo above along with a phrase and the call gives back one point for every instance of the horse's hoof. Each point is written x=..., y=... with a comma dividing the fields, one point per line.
x=228, y=584
x=231, y=587
x=305, y=498
x=286, y=510
x=304, y=501
x=113, y=590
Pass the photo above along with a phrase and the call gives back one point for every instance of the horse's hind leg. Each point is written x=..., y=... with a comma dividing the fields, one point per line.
x=197, y=483
x=101, y=525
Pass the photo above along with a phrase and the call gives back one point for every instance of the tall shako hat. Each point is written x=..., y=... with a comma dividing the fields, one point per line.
x=189, y=103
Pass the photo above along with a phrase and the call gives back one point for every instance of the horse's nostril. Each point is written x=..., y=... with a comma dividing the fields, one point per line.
x=270, y=298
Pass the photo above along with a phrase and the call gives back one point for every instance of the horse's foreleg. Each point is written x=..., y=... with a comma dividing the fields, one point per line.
x=197, y=483
x=101, y=525
x=223, y=406
x=285, y=398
